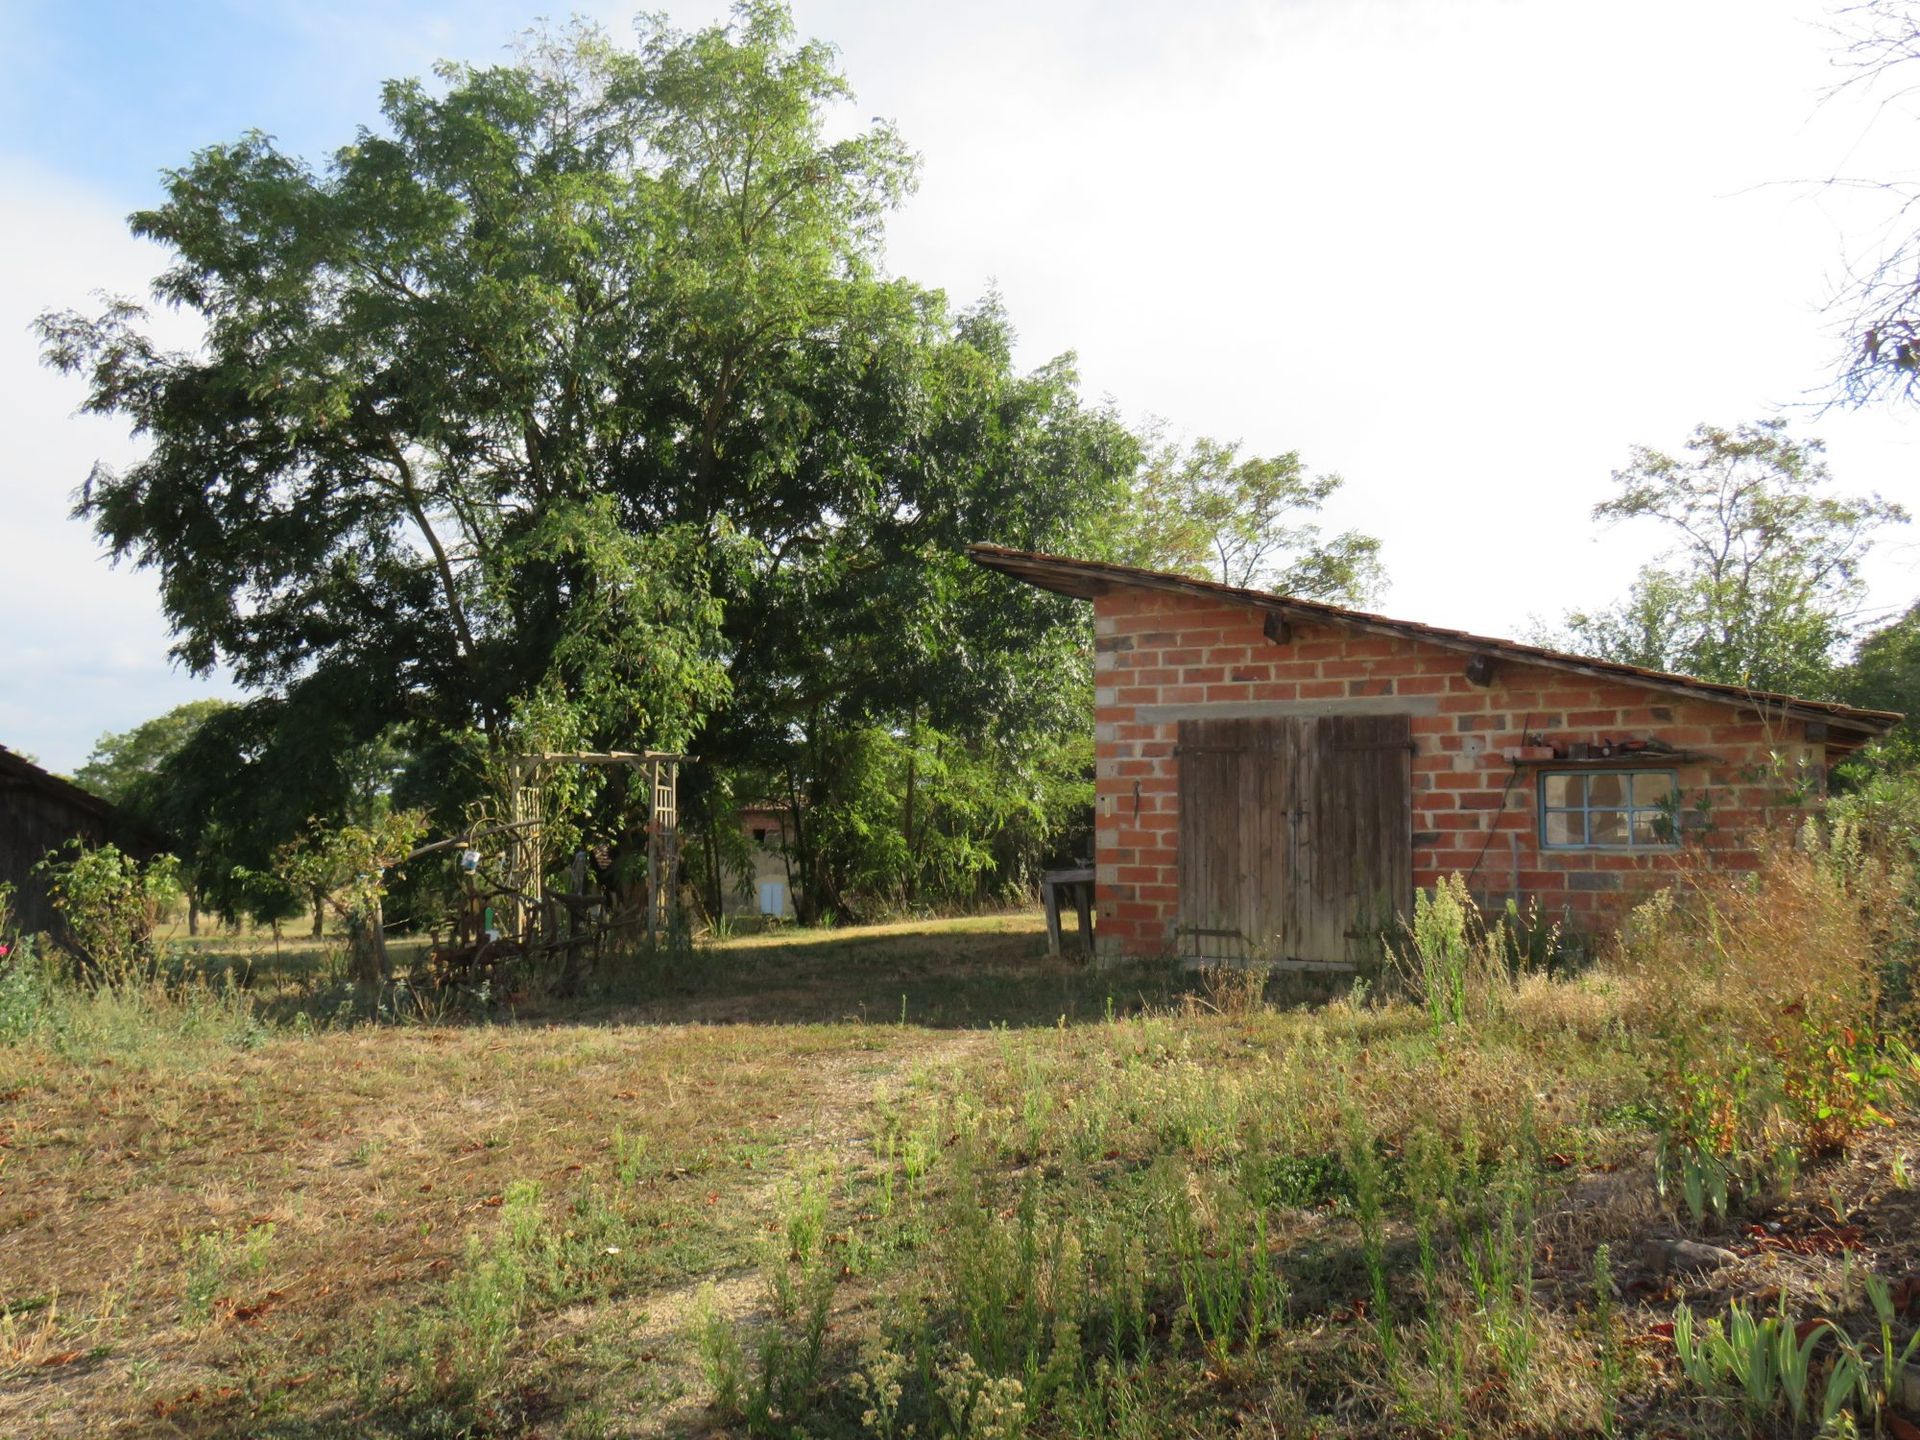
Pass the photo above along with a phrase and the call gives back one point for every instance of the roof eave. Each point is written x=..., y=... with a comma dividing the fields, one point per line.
x=1087, y=580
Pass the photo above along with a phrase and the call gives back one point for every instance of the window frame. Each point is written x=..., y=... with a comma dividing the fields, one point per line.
x=1586, y=809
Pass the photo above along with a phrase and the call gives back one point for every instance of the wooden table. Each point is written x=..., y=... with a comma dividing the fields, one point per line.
x=1077, y=886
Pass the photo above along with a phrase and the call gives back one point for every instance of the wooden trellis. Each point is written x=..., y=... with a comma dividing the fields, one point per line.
x=526, y=849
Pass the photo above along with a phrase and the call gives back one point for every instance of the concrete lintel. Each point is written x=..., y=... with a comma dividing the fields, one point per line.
x=1279, y=709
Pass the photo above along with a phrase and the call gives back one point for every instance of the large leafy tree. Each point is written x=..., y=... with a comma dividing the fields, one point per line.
x=868, y=642
x=125, y=765
x=572, y=403
x=1760, y=584
x=454, y=430
x=1206, y=509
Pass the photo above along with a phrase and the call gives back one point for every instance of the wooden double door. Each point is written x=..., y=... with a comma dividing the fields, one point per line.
x=1296, y=837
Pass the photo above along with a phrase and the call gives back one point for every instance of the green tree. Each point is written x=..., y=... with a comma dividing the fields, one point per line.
x=1760, y=585
x=124, y=766
x=453, y=435
x=575, y=398
x=1204, y=510
x=1885, y=675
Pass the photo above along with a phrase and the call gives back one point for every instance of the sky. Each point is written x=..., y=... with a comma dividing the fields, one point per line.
x=1464, y=253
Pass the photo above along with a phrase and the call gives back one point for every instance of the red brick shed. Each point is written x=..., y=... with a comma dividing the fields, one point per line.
x=1275, y=776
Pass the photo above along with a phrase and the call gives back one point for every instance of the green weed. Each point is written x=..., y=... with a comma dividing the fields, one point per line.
x=1232, y=1295
x=770, y=1377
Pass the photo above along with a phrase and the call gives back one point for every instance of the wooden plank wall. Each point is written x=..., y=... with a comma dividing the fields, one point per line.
x=32, y=824
x=1362, y=826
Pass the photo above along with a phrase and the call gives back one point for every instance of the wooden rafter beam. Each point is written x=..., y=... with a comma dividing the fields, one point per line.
x=598, y=757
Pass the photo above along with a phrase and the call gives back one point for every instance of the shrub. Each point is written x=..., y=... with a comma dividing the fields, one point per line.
x=461, y=1349
x=23, y=982
x=110, y=903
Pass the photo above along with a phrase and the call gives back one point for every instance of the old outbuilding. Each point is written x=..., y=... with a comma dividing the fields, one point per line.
x=767, y=889
x=1275, y=776
x=40, y=814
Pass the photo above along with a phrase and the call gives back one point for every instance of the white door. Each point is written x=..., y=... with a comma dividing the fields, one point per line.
x=773, y=897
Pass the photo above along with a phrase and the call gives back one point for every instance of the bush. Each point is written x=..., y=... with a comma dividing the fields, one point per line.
x=110, y=903
x=23, y=983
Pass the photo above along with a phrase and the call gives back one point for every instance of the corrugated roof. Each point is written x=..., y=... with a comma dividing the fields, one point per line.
x=1085, y=579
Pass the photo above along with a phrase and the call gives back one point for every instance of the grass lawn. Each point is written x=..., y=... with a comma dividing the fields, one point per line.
x=841, y=1182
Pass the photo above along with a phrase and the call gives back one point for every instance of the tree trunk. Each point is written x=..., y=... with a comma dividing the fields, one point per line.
x=319, y=912
x=913, y=754
x=367, y=956
x=804, y=909
x=193, y=914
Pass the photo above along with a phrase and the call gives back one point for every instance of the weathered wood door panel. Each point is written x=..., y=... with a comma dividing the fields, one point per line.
x=1237, y=781
x=1361, y=811
x=1295, y=836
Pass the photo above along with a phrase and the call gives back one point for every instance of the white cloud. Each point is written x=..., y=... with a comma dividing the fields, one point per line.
x=83, y=646
x=1465, y=253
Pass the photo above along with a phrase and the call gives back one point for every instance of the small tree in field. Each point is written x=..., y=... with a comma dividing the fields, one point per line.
x=129, y=768
x=348, y=867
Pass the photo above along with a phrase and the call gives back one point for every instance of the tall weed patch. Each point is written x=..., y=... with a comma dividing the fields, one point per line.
x=1765, y=992
x=1459, y=966
x=769, y=1375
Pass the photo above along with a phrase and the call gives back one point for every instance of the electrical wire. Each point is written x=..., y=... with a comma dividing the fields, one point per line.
x=1494, y=828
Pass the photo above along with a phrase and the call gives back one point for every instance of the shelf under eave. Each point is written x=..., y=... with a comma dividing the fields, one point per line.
x=1636, y=760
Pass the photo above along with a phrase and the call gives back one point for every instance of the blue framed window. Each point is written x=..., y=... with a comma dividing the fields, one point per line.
x=1607, y=809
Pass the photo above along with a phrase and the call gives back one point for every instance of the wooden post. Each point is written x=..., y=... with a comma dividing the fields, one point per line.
x=653, y=850
x=526, y=859
x=1050, y=901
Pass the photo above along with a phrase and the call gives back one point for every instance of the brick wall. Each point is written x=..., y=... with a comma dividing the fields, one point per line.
x=1474, y=813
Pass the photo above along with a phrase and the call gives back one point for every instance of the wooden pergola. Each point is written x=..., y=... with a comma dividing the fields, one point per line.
x=526, y=849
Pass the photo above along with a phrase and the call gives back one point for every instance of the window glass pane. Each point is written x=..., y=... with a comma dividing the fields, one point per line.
x=1563, y=791
x=1606, y=789
x=1649, y=828
x=1565, y=828
x=1651, y=789
x=1606, y=827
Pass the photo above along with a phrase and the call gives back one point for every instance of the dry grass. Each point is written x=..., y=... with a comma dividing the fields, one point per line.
x=1801, y=934
x=372, y=1155
x=215, y=1226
